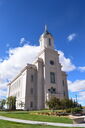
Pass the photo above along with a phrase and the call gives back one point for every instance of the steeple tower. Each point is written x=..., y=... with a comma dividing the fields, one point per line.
x=46, y=40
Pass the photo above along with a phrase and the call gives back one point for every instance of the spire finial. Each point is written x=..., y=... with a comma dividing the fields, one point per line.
x=46, y=28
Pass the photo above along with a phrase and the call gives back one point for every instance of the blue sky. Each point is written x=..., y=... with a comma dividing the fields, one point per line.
x=25, y=20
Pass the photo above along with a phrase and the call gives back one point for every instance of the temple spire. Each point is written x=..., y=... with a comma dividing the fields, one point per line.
x=46, y=29
x=46, y=39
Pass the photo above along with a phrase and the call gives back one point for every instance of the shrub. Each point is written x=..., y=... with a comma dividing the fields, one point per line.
x=53, y=103
x=68, y=110
x=76, y=110
x=66, y=104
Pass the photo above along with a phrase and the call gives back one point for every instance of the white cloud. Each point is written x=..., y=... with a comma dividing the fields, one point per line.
x=76, y=86
x=2, y=84
x=22, y=40
x=1, y=60
x=3, y=94
x=3, y=89
x=82, y=69
x=81, y=97
x=71, y=36
x=16, y=60
x=66, y=62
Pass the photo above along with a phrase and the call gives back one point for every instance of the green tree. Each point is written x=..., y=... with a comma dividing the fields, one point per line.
x=67, y=103
x=11, y=102
x=2, y=103
x=53, y=103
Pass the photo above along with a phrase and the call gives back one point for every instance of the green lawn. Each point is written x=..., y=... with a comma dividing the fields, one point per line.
x=32, y=116
x=7, y=124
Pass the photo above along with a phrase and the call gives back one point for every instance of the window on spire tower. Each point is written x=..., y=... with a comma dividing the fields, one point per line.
x=49, y=41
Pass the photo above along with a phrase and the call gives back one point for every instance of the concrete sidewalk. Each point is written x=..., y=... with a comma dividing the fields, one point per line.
x=40, y=123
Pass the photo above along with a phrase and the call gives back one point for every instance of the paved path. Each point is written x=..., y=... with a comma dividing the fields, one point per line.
x=42, y=123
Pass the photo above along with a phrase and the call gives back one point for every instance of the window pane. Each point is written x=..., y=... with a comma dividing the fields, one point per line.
x=32, y=78
x=52, y=77
x=31, y=90
x=64, y=93
x=49, y=41
x=31, y=104
x=63, y=82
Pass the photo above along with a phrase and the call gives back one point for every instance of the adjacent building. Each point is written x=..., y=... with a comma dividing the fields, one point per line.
x=42, y=79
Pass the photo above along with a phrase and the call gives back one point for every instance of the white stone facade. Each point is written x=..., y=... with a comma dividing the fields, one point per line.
x=37, y=82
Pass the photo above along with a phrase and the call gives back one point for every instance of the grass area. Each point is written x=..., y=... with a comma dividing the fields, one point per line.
x=7, y=124
x=33, y=116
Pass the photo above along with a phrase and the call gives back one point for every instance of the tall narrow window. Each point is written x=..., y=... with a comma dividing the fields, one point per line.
x=64, y=94
x=32, y=78
x=31, y=90
x=63, y=82
x=52, y=77
x=31, y=104
x=49, y=41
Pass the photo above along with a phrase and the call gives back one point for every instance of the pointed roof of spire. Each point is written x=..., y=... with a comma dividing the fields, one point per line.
x=46, y=29
x=46, y=33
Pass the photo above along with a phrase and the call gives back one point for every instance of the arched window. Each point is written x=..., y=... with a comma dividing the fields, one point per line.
x=52, y=77
x=31, y=104
x=32, y=78
x=49, y=41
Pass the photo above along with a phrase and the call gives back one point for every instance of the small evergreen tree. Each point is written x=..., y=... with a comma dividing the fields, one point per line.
x=2, y=103
x=11, y=102
x=55, y=103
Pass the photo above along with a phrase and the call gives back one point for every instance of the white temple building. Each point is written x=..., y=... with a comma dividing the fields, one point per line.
x=42, y=79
